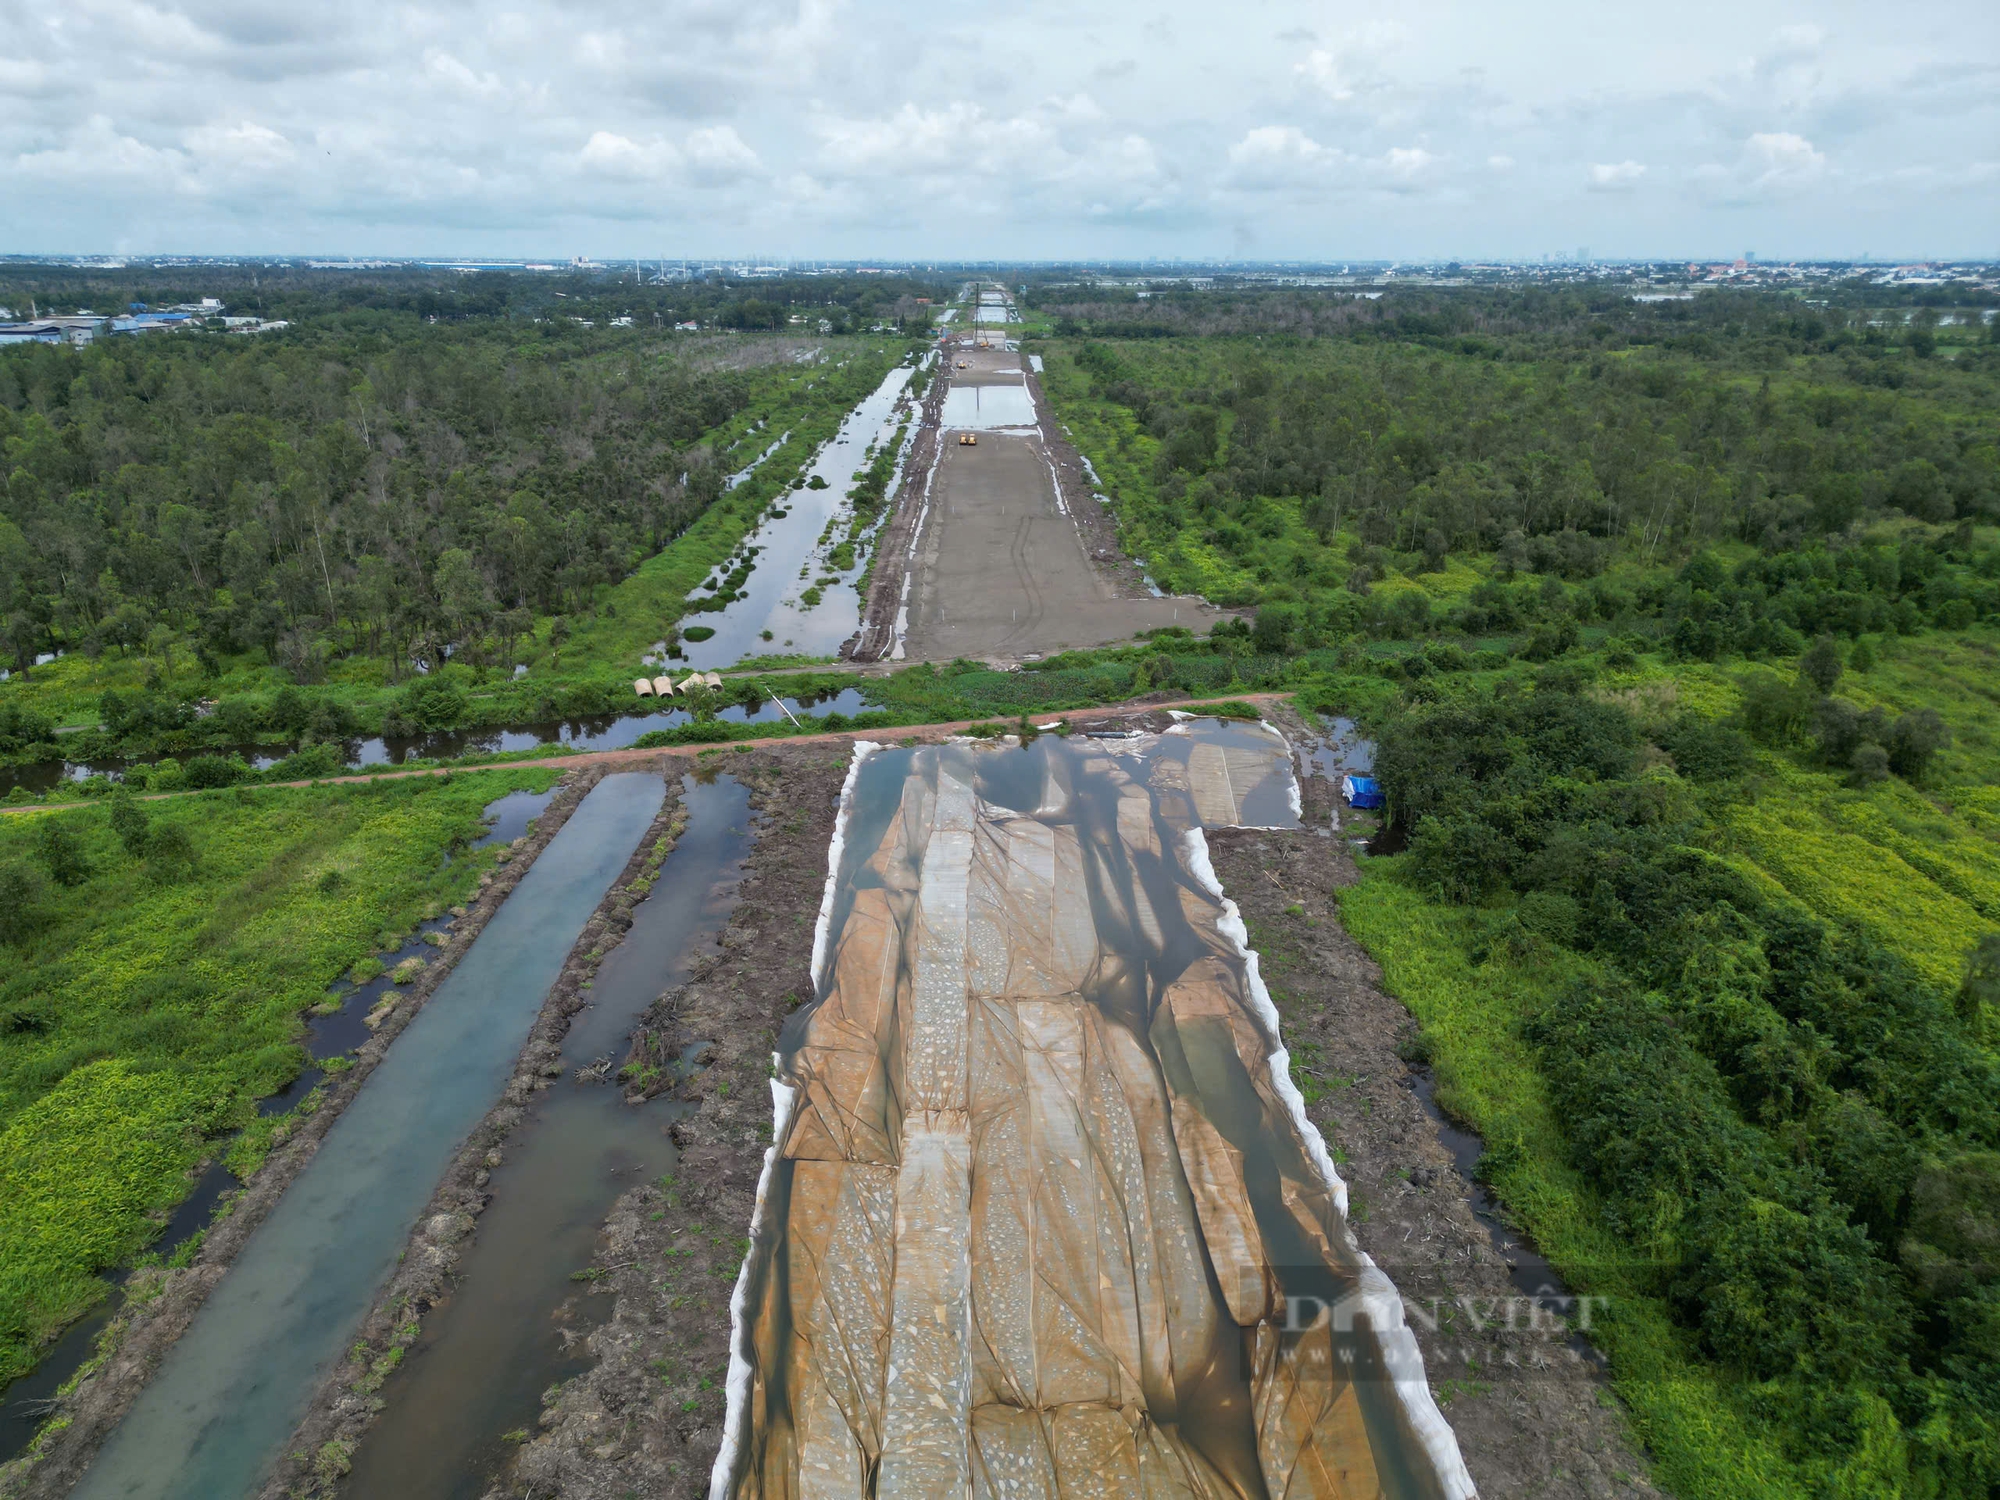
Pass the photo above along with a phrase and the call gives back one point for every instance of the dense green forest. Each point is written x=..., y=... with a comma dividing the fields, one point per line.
x=197, y=516
x=1255, y=469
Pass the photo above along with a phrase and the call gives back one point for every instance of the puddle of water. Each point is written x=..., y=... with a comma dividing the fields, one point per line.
x=1073, y=1176
x=508, y=817
x=790, y=542
x=514, y=1321
x=234, y=1386
x=988, y=406
x=744, y=473
x=341, y=1030
x=1241, y=774
x=1346, y=750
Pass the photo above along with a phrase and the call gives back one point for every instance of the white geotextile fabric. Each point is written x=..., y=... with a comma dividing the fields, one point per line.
x=1384, y=1307
x=737, y=1383
x=1009, y=1185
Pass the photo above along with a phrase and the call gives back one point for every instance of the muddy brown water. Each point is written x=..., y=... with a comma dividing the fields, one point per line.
x=1216, y=1405
x=514, y=1323
x=230, y=1391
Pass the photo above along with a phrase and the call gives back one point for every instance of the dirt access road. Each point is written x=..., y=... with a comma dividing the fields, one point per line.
x=1012, y=555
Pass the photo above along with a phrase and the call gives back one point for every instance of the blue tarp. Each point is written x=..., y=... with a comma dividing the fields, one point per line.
x=1361, y=791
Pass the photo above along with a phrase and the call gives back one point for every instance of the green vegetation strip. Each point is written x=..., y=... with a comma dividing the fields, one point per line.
x=1725, y=1016
x=161, y=959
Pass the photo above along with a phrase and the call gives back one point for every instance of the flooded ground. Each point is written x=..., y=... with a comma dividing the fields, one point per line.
x=987, y=406
x=1046, y=1217
x=601, y=732
x=511, y=1327
x=791, y=555
x=232, y=1388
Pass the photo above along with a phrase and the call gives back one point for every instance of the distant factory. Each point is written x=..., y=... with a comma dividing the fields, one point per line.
x=84, y=326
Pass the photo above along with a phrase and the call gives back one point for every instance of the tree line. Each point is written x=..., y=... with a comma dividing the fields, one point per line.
x=1256, y=466
x=400, y=497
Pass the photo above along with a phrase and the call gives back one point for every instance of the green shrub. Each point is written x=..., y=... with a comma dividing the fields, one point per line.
x=434, y=703
x=208, y=771
x=1704, y=750
x=326, y=759
x=60, y=850
x=21, y=893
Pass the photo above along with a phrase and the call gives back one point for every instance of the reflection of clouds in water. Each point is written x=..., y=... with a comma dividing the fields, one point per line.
x=1042, y=1181
x=988, y=406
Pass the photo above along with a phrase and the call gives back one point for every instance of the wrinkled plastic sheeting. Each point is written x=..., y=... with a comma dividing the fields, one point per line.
x=1036, y=1168
x=1224, y=777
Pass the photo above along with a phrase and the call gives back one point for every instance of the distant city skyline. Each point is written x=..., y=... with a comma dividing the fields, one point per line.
x=820, y=129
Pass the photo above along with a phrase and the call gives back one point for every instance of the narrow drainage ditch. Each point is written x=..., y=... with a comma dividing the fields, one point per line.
x=1527, y=1269
x=516, y=1320
x=332, y=1031
x=230, y=1391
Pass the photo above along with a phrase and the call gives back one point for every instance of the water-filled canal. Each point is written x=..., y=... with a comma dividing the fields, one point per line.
x=505, y=1335
x=791, y=556
x=232, y=1389
x=598, y=732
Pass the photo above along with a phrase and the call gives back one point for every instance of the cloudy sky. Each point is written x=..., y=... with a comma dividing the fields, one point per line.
x=861, y=128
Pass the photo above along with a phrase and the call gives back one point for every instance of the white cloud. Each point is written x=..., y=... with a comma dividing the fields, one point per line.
x=1063, y=151
x=97, y=151
x=246, y=146
x=717, y=151
x=1286, y=158
x=1278, y=157
x=521, y=126
x=615, y=155
x=1785, y=157
x=1772, y=164
x=1324, y=73
x=1351, y=63
x=445, y=68
x=1286, y=143
x=711, y=156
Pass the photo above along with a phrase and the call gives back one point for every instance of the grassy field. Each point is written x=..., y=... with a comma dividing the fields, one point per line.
x=1472, y=1011
x=1912, y=866
x=153, y=999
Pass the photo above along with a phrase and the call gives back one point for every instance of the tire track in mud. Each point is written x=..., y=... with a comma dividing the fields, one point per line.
x=1018, y=556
